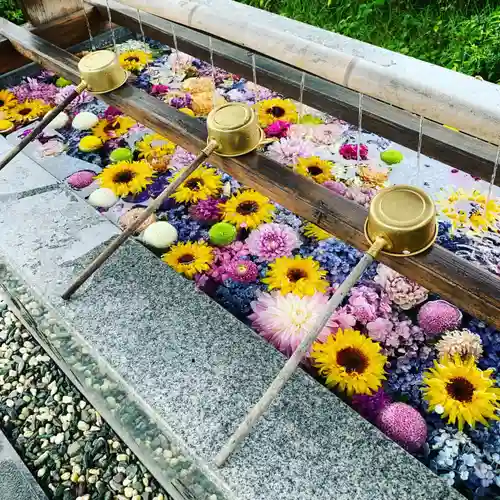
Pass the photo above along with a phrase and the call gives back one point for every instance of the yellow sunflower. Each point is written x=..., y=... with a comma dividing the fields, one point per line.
x=350, y=361
x=459, y=390
x=313, y=231
x=200, y=185
x=7, y=100
x=248, y=209
x=298, y=275
x=117, y=127
x=271, y=110
x=135, y=60
x=29, y=110
x=154, y=146
x=189, y=258
x=315, y=168
x=125, y=177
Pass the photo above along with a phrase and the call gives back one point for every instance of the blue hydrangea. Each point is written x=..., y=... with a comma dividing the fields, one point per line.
x=284, y=216
x=188, y=229
x=236, y=297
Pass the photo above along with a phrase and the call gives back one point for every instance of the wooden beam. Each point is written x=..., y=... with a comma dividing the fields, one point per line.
x=64, y=32
x=459, y=150
x=469, y=287
x=44, y=11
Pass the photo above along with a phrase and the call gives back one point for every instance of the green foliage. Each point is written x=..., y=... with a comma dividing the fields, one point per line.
x=463, y=35
x=11, y=11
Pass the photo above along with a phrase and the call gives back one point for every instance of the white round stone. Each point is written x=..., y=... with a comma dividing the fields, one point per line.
x=102, y=198
x=59, y=121
x=84, y=121
x=160, y=235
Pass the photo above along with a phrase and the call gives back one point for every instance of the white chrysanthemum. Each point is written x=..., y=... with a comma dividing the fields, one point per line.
x=131, y=45
x=461, y=342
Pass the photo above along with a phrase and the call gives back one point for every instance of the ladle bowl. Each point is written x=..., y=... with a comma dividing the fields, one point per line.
x=101, y=71
x=405, y=217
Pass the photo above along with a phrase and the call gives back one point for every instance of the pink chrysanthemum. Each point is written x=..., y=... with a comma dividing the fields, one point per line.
x=284, y=320
x=350, y=151
x=159, y=89
x=244, y=271
x=83, y=98
x=206, y=210
x=437, y=316
x=270, y=241
x=223, y=257
x=403, y=424
x=288, y=151
x=277, y=129
x=400, y=290
x=35, y=89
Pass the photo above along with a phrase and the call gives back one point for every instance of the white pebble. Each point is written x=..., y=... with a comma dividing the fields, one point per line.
x=84, y=121
x=160, y=234
x=9, y=403
x=83, y=426
x=65, y=476
x=103, y=198
x=129, y=492
x=122, y=457
x=67, y=399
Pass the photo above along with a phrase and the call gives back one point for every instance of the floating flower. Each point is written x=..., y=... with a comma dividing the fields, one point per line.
x=464, y=343
x=204, y=102
x=373, y=178
x=189, y=258
x=270, y=241
x=315, y=232
x=29, y=110
x=154, y=145
x=350, y=361
x=119, y=126
x=129, y=218
x=197, y=85
x=437, y=316
x=244, y=271
x=135, y=60
x=82, y=98
x=335, y=186
x=125, y=178
x=391, y=156
x=461, y=391
x=400, y=290
x=315, y=168
x=159, y=89
x=296, y=275
x=288, y=151
x=350, y=151
x=200, y=185
x=271, y=110
x=284, y=320
x=277, y=129
x=7, y=100
x=370, y=405
x=222, y=234
x=248, y=209
x=328, y=134
x=208, y=210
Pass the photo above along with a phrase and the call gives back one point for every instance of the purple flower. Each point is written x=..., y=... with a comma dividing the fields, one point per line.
x=270, y=241
x=337, y=187
x=111, y=113
x=206, y=210
x=437, y=316
x=361, y=195
x=277, y=129
x=244, y=271
x=224, y=256
x=181, y=101
x=181, y=158
x=367, y=304
x=288, y=151
x=158, y=90
x=369, y=406
x=35, y=89
x=84, y=98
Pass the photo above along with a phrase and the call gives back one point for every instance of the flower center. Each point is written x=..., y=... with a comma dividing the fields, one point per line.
x=187, y=258
x=276, y=111
x=124, y=176
x=112, y=126
x=295, y=275
x=242, y=268
x=133, y=59
x=352, y=359
x=194, y=184
x=24, y=111
x=247, y=207
x=314, y=170
x=2, y=103
x=460, y=389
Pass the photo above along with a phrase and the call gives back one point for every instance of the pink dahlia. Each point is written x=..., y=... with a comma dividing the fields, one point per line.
x=437, y=316
x=366, y=304
x=350, y=151
x=277, y=129
x=270, y=241
x=400, y=290
x=288, y=151
x=244, y=271
x=206, y=210
x=403, y=424
x=284, y=320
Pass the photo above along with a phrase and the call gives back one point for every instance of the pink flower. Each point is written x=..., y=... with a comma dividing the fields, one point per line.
x=35, y=89
x=206, y=210
x=270, y=241
x=224, y=257
x=342, y=319
x=111, y=113
x=84, y=98
x=350, y=151
x=437, y=316
x=400, y=290
x=328, y=134
x=180, y=159
x=277, y=129
x=159, y=89
x=367, y=304
x=336, y=187
x=379, y=329
x=284, y=320
x=300, y=132
x=361, y=195
x=244, y=271
x=288, y=151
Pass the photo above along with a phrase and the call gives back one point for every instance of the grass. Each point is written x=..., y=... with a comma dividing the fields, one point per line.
x=463, y=35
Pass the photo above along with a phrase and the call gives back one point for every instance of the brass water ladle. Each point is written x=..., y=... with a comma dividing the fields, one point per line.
x=100, y=72
x=401, y=222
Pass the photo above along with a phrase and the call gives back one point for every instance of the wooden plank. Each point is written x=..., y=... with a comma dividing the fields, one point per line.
x=64, y=32
x=44, y=11
x=467, y=286
x=459, y=150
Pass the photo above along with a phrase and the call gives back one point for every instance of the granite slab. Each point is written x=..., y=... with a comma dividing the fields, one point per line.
x=198, y=369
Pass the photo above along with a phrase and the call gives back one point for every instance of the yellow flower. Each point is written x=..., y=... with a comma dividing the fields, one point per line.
x=466, y=393
x=315, y=168
x=248, y=209
x=29, y=110
x=200, y=185
x=372, y=177
x=313, y=231
x=7, y=99
x=154, y=146
x=271, y=110
x=189, y=258
x=203, y=102
x=125, y=178
x=350, y=361
x=298, y=275
x=119, y=126
x=135, y=60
